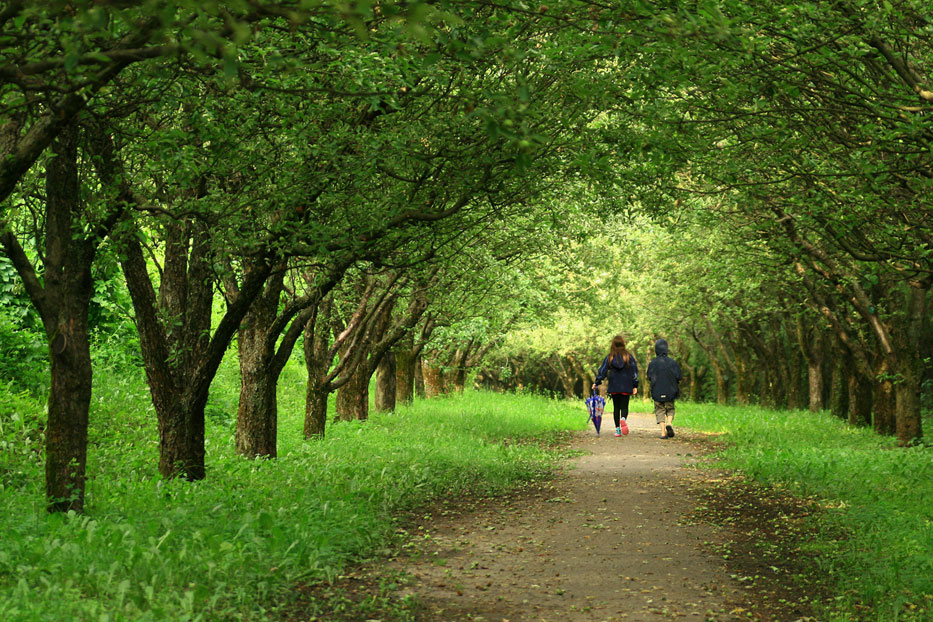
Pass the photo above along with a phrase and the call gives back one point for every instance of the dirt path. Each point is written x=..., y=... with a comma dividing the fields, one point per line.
x=611, y=539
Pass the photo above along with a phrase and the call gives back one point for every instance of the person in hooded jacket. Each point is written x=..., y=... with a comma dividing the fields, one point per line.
x=622, y=370
x=665, y=376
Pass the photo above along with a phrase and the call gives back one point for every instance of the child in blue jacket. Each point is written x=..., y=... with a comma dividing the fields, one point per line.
x=664, y=375
x=622, y=370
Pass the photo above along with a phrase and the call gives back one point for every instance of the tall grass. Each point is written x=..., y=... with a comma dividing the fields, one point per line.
x=233, y=546
x=880, y=494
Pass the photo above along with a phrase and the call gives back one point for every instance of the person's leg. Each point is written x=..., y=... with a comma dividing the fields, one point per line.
x=669, y=418
x=616, y=407
x=660, y=417
x=623, y=414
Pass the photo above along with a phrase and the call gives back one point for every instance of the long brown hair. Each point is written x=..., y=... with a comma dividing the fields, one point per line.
x=617, y=348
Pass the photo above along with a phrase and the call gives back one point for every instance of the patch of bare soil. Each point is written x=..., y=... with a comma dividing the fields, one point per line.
x=631, y=531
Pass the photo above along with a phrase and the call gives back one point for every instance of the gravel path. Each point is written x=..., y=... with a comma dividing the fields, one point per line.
x=611, y=539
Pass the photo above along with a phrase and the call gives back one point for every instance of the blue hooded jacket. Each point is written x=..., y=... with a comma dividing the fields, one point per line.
x=622, y=378
x=664, y=375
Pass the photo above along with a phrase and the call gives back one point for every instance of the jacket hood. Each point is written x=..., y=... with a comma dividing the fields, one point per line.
x=660, y=347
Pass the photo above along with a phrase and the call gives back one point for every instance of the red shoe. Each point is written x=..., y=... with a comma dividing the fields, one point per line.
x=623, y=426
x=618, y=432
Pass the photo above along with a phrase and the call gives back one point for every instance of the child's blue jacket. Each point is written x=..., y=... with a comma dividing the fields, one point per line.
x=622, y=378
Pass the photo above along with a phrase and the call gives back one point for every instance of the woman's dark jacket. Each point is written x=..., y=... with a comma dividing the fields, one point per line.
x=664, y=375
x=622, y=378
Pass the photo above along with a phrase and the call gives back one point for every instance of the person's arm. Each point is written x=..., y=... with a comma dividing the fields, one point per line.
x=601, y=374
x=634, y=375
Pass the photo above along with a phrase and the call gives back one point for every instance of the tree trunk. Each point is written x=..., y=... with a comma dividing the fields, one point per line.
x=420, y=390
x=404, y=376
x=815, y=383
x=860, y=395
x=318, y=360
x=794, y=387
x=353, y=397
x=69, y=403
x=181, y=433
x=686, y=385
x=315, y=409
x=839, y=396
x=811, y=348
x=180, y=355
x=742, y=379
x=910, y=366
x=174, y=341
x=257, y=413
x=456, y=379
x=433, y=379
x=384, y=400
x=766, y=393
x=909, y=426
x=884, y=401
x=722, y=388
x=566, y=383
x=65, y=302
x=696, y=384
x=581, y=378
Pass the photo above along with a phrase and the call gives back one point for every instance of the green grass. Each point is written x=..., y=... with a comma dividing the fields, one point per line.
x=879, y=494
x=232, y=547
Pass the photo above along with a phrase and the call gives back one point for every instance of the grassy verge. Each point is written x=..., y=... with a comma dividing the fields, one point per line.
x=879, y=494
x=233, y=546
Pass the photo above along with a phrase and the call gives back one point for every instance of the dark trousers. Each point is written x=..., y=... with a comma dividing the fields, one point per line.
x=619, y=407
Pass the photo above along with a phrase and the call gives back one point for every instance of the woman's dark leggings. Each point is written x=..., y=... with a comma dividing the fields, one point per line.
x=619, y=406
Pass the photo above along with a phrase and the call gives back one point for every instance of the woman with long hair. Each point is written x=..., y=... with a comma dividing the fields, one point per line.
x=622, y=370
